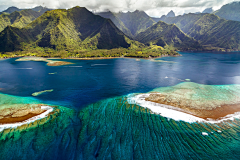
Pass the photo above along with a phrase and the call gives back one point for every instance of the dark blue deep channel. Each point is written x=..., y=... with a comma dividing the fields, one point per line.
x=88, y=81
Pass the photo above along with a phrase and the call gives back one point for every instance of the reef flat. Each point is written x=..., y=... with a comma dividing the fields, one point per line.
x=209, y=102
x=49, y=62
x=20, y=113
x=116, y=129
x=16, y=112
x=41, y=92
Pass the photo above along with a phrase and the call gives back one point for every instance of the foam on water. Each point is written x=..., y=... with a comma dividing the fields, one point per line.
x=30, y=120
x=74, y=66
x=22, y=68
x=172, y=112
x=99, y=64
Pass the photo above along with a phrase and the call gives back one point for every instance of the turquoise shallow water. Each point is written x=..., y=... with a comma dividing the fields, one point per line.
x=96, y=122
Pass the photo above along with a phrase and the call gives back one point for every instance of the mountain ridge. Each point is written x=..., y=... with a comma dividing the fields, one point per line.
x=163, y=34
x=18, y=18
x=230, y=11
x=209, y=29
x=76, y=28
x=131, y=23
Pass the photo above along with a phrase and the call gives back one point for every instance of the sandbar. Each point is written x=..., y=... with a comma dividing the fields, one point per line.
x=49, y=62
x=41, y=92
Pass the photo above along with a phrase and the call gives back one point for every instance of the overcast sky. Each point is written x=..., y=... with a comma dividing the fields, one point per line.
x=154, y=8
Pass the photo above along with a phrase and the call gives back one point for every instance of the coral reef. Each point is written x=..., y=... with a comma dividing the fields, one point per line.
x=49, y=62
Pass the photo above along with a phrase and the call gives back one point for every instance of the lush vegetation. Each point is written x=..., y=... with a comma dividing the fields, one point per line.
x=73, y=29
x=18, y=19
x=130, y=23
x=136, y=21
x=137, y=52
x=118, y=23
x=163, y=34
x=229, y=11
x=211, y=31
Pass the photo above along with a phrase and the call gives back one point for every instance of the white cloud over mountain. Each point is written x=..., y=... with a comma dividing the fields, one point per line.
x=154, y=8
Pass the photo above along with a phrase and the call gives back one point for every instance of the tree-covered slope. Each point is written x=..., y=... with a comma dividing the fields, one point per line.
x=184, y=22
x=229, y=11
x=12, y=38
x=118, y=23
x=163, y=34
x=61, y=29
x=18, y=18
x=217, y=32
x=209, y=30
x=136, y=21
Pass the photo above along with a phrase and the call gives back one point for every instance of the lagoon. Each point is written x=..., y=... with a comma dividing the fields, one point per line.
x=95, y=119
x=87, y=81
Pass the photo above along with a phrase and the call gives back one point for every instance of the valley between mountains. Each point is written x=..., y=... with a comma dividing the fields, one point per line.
x=80, y=33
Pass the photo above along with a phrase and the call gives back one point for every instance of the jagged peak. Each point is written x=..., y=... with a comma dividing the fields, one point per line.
x=171, y=14
x=78, y=8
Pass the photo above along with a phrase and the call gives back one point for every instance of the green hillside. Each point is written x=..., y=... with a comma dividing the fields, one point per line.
x=163, y=34
x=73, y=29
x=130, y=23
x=136, y=21
x=18, y=18
x=229, y=11
x=184, y=22
x=214, y=31
x=118, y=23
x=209, y=30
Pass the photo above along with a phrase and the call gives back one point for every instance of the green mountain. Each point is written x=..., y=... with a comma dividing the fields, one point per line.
x=116, y=21
x=214, y=31
x=209, y=30
x=163, y=34
x=61, y=29
x=136, y=21
x=11, y=10
x=130, y=23
x=184, y=22
x=229, y=11
x=37, y=9
x=18, y=18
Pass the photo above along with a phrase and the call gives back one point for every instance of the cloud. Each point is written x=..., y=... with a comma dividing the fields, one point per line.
x=152, y=7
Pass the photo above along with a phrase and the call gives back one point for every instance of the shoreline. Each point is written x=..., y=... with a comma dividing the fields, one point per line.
x=15, y=122
x=170, y=110
x=99, y=58
x=92, y=58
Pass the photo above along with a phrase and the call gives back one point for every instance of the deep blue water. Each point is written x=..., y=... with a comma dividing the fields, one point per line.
x=88, y=81
x=112, y=128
